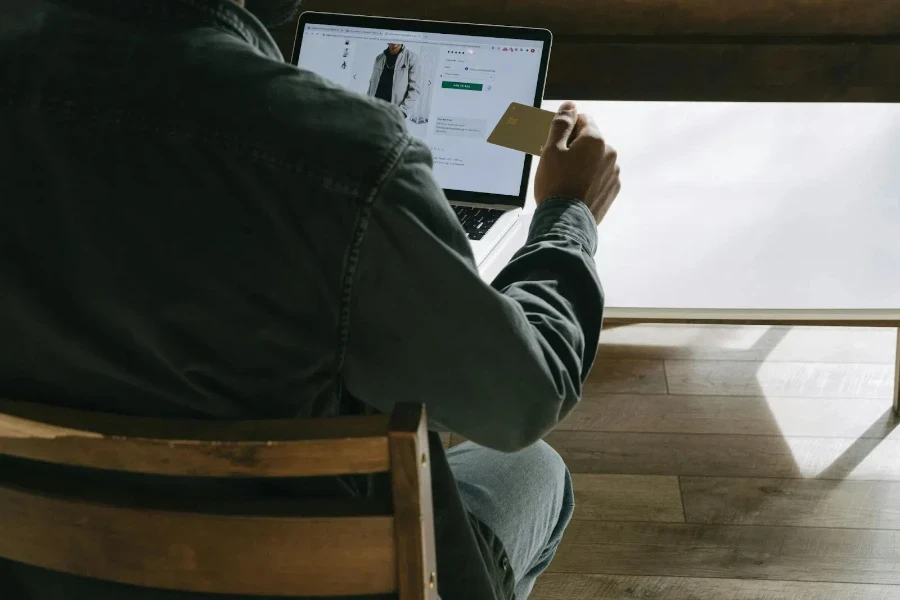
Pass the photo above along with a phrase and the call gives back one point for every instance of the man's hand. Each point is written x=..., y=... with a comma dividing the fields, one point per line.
x=576, y=162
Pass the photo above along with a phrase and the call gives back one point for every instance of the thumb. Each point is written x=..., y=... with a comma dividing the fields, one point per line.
x=562, y=126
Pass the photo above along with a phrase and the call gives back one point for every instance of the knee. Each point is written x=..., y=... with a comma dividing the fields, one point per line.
x=546, y=468
x=544, y=457
x=553, y=483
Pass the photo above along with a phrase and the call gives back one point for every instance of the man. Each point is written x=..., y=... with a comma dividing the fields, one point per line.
x=395, y=77
x=193, y=228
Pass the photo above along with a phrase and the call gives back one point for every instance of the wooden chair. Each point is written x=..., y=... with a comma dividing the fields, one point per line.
x=298, y=548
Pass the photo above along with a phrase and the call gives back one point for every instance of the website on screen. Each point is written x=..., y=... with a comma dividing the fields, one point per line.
x=453, y=89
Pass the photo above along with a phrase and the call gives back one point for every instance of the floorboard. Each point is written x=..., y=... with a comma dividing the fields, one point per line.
x=748, y=415
x=729, y=455
x=798, y=502
x=627, y=498
x=733, y=463
x=624, y=375
x=565, y=586
x=728, y=551
x=806, y=379
x=751, y=342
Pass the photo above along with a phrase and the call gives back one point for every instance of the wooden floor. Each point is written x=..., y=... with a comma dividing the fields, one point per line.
x=733, y=463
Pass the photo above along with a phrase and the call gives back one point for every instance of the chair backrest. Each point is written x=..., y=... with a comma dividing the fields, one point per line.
x=298, y=548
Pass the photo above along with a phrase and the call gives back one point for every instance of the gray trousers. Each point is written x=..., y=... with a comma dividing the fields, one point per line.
x=525, y=497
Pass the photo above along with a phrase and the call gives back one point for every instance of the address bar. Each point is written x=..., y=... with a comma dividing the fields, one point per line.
x=386, y=36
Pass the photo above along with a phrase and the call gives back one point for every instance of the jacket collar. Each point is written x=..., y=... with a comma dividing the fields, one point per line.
x=224, y=15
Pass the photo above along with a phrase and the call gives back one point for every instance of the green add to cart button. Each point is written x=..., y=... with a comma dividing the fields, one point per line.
x=461, y=85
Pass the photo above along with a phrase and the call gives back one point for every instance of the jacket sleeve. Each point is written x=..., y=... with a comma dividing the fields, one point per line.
x=373, y=79
x=500, y=364
x=412, y=89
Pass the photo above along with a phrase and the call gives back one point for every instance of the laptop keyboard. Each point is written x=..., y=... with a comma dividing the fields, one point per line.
x=476, y=221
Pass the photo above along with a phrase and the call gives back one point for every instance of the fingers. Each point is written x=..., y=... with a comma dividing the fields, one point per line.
x=585, y=126
x=615, y=185
x=612, y=171
x=562, y=126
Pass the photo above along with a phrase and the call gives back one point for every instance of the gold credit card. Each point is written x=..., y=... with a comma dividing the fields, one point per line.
x=523, y=128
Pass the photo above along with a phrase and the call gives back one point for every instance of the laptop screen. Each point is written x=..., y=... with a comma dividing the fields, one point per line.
x=452, y=88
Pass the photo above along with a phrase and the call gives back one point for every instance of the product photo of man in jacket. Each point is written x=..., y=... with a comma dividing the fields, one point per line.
x=395, y=77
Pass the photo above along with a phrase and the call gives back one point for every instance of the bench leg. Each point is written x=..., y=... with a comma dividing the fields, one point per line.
x=897, y=376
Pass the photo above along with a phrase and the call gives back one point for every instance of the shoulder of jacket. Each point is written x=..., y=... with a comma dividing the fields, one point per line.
x=295, y=112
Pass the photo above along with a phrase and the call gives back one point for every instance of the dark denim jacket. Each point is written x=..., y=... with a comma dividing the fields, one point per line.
x=191, y=227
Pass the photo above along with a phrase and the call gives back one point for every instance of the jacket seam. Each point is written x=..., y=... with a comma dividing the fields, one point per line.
x=223, y=17
x=355, y=249
x=211, y=14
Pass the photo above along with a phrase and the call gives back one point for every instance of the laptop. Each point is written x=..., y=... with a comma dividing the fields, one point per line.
x=453, y=82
